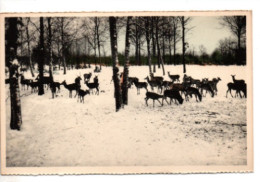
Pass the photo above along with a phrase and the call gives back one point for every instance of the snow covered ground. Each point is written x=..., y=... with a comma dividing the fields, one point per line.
x=64, y=132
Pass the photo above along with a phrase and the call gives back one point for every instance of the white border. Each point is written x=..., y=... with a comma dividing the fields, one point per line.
x=151, y=5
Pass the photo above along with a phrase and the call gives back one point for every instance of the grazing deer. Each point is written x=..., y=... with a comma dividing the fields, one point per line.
x=213, y=84
x=237, y=81
x=131, y=81
x=192, y=91
x=172, y=94
x=81, y=94
x=238, y=87
x=153, y=96
x=174, y=77
x=181, y=87
x=71, y=87
x=140, y=85
x=153, y=83
x=94, y=85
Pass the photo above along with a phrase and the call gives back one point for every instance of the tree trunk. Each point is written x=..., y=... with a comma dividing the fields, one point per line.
x=98, y=42
x=157, y=44
x=41, y=59
x=50, y=49
x=160, y=60
x=153, y=39
x=63, y=47
x=183, y=44
x=139, y=52
x=174, y=44
x=126, y=66
x=239, y=48
x=147, y=33
x=114, y=53
x=163, y=42
x=170, y=51
x=16, y=115
x=12, y=63
x=136, y=42
x=29, y=47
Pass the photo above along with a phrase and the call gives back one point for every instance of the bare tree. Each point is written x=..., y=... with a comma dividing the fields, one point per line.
x=50, y=47
x=114, y=53
x=184, y=21
x=29, y=38
x=148, y=39
x=237, y=26
x=176, y=36
x=12, y=63
x=160, y=60
x=126, y=66
x=95, y=33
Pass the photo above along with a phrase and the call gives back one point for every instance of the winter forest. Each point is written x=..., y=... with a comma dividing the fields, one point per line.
x=130, y=91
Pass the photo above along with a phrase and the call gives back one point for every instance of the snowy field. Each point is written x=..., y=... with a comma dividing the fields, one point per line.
x=64, y=132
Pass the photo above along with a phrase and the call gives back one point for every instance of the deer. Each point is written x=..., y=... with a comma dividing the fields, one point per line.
x=195, y=82
x=214, y=83
x=153, y=83
x=71, y=87
x=207, y=87
x=45, y=80
x=172, y=94
x=181, y=87
x=81, y=94
x=97, y=69
x=237, y=81
x=174, y=77
x=192, y=91
x=87, y=76
x=53, y=88
x=131, y=81
x=140, y=85
x=156, y=78
x=165, y=85
x=56, y=85
x=186, y=79
x=34, y=86
x=94, y=85
x=24, y=82
x=238, y=87
x=153, y=96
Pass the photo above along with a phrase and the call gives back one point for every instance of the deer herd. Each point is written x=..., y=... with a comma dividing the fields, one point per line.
x=172, y=90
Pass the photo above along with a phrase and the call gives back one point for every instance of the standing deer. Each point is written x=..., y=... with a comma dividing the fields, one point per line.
x=237, y=81
x=153, y=96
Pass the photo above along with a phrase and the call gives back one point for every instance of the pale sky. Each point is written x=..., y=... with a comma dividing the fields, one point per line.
x=206, y=31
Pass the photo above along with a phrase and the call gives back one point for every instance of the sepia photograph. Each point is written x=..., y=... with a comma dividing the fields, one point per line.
x=133, y=92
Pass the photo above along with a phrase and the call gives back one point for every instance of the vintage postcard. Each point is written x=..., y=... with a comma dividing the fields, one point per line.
x=126, y=92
